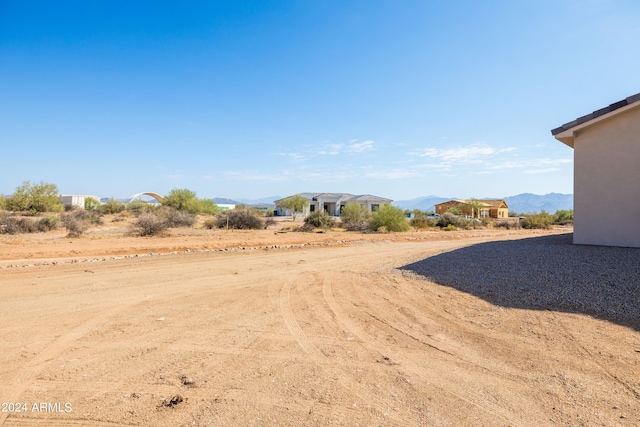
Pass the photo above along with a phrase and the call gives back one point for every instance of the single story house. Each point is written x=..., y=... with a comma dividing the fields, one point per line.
x=489, y=208
x=332, y=203
x=606, y=176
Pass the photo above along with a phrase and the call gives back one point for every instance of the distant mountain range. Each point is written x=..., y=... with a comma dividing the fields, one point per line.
x=521, y=203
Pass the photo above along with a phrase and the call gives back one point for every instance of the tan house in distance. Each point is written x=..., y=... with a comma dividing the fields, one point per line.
x=490, y=208
x=606, y=174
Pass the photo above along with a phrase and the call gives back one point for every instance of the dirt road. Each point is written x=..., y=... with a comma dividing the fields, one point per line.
x=312, y=335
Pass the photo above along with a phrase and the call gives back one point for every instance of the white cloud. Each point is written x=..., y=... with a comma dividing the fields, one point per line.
x=360, y=147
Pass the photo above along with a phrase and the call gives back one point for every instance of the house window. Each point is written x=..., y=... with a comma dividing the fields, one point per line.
x=374, y=208
x=312, y=208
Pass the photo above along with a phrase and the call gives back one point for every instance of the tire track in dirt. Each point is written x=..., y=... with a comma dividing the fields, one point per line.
x=28, y=373
x=318, y=357
x=444, y=384
x=586, y=354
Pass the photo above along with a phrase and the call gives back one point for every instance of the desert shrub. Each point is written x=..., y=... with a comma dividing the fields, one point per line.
x=138, y=207
x=36, y=198
x=12, y=225
x=389, y=217
x=450, y=227
x=150, y=224
x=3, y=202
x=319, y=219
x=239, y=219
x=541, y=220
x=355, y=217
x=563, y=217
x=48, y=223
x=268, y=212
x=509, y=225
x=111, y=206
x=269, y=222
x=91, y=203
x=176, y=218
x=421, y=221
x=74, y=222
x=305, y=228
x=448, y=218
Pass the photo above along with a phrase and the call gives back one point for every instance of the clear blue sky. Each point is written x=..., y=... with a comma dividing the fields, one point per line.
x=247, y=99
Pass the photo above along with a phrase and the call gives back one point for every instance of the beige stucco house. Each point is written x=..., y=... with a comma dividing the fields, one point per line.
x=489, y=208
x=606, y=152
x=332, y=203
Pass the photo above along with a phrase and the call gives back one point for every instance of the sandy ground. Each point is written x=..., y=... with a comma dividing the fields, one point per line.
x=289, y=329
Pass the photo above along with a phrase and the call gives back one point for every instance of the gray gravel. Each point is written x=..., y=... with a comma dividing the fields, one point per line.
x=548, y=273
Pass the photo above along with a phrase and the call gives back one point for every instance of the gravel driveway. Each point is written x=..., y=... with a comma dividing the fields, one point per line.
x=545, y=273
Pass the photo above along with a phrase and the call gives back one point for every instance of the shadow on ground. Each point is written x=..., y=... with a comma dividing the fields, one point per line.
x=544, y=273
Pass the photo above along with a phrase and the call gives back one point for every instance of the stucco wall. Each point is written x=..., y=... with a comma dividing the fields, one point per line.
x=607, y=182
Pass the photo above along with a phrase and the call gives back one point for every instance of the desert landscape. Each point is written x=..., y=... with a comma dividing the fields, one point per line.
x=273, y=327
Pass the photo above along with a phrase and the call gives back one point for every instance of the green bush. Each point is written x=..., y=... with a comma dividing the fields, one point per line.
x=355, y=217
x=319, y=219
x=182, y=200
x=239, y=219
x=542, y=220
x=563, y=217
x=389, y=217
x=91, y=203
x=208, y=207
x=111, y=206
x=36, y=198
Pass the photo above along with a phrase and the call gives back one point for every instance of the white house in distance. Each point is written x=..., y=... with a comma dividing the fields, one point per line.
x=606, y=152
x=332, y=203
x=71, y=201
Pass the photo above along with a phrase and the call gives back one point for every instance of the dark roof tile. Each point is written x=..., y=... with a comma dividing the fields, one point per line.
x=629, y=100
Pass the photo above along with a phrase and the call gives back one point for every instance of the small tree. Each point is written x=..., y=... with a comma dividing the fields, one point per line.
x=354, y=217
x=183, y=200
x=295, y=204
x=389, y=217
x=36, y=198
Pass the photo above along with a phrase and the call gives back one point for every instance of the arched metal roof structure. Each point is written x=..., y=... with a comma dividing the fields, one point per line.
x=147, y=193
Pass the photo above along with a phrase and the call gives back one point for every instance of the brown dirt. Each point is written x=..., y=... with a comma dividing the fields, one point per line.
x=322, y=329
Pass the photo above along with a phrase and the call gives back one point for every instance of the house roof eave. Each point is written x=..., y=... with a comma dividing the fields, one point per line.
x=567, y=132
